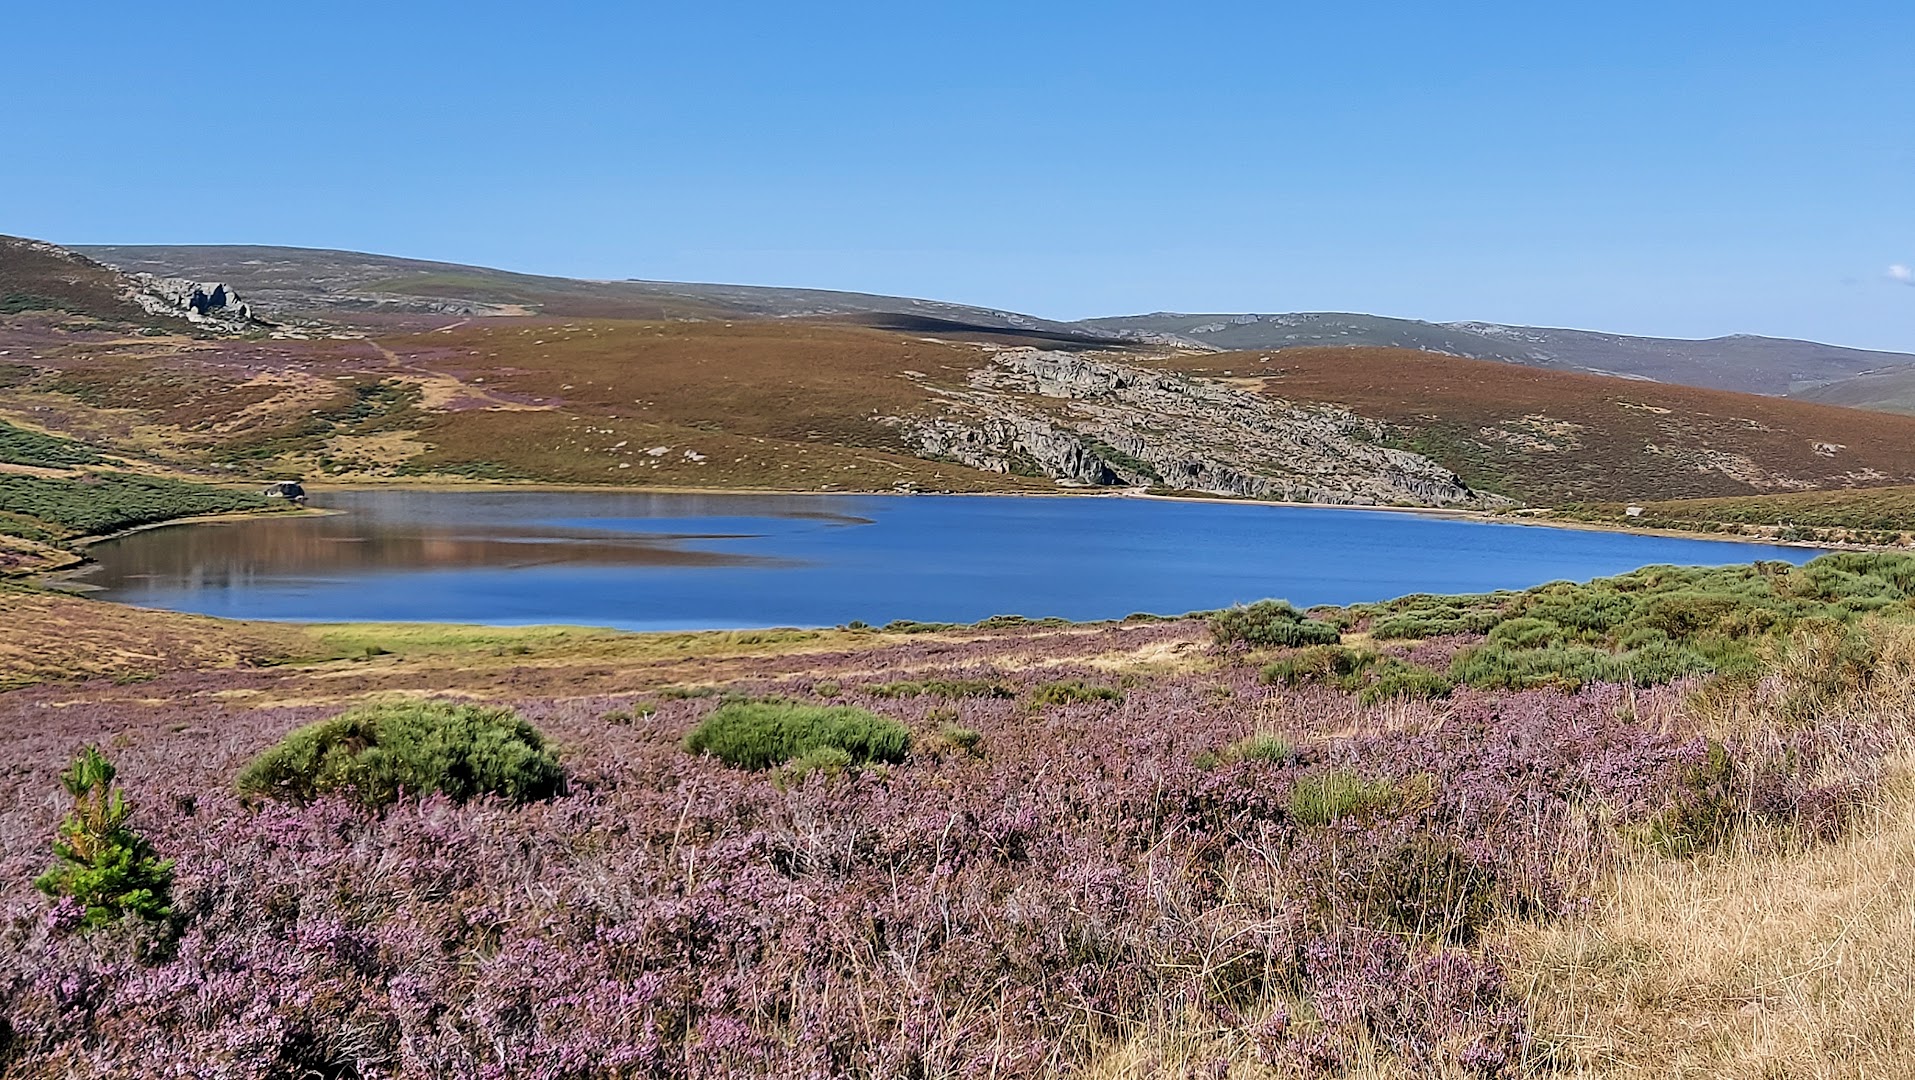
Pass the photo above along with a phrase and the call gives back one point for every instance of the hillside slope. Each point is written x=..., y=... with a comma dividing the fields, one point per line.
x=344, y=285
x=1738, y=362
x=1887, y=390
x=356, y=287
x=43, y=279
x=713, y=397
x=1552, y=437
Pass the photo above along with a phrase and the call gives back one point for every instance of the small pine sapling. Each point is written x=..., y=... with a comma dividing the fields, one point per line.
x=108, y=868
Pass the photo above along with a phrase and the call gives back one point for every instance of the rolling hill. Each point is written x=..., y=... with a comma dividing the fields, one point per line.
x=351, y=286
x=1739, y=362
x=731, y=388
x=337, y=285
x=1888, y=390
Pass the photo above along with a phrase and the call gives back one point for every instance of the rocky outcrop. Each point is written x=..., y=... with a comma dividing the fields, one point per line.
x=199, y=301
x=1089, y=420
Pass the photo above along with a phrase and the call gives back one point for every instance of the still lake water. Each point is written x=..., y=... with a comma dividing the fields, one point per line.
x=669, y=562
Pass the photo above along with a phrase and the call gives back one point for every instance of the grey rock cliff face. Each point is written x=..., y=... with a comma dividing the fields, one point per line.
x=1088, y=420
x=200, y=301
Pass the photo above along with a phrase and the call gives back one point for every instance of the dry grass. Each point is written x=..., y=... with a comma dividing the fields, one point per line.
x=1742, y=964
x=47, y=637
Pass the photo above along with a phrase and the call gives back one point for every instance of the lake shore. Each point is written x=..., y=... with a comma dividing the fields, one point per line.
x=1528, y=517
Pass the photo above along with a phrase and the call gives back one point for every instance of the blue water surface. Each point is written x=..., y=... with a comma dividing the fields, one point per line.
x=656, y=562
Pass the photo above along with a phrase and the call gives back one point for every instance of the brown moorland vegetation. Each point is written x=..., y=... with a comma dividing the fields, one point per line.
x=36, y=277
x=754, y=404
x=1551, y=437
x=1881, y=515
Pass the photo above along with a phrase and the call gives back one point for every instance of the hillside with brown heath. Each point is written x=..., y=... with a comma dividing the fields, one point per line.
x=1551, y=437
x=709, y=400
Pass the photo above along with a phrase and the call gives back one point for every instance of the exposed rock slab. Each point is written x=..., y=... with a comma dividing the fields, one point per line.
x=1086, y=419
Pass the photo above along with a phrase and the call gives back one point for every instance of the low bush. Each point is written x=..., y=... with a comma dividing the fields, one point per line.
x=913, y=626
x=1269, y=624
x=1707, y=803
x=968, y=740
x=824, y=760
x=1392, y=678
x=1318, y=664
x=1072, y=692
x=761, y=734
x=18, y=446
x=1425, y=616
x=377, y=753
x=104, y=502
x=107, y=868
x=1399, y=879
x=687, y=693
x=944, y=688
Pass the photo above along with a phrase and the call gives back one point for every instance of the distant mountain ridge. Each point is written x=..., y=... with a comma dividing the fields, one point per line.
x=1738, y=362
x=290, y=282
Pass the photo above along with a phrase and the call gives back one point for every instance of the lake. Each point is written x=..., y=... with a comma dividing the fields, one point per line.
x=674, y=562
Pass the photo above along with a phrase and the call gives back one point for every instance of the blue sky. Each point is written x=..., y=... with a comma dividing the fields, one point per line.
x=1682, y=169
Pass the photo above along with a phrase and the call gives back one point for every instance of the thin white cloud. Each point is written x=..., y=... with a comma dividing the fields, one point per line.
x=1902, y=273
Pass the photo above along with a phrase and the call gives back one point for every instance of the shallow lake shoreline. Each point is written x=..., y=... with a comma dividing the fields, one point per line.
x=1530, y=517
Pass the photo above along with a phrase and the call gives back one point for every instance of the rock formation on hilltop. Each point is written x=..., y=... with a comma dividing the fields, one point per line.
x=212, y=302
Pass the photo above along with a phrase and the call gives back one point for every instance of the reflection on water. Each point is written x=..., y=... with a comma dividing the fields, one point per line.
x=411, y=532
x=692, y=561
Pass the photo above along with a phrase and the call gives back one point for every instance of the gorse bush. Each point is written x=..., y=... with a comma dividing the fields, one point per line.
x=1269, y=624
x=107, y=867
x=760, y=734
x=962, y=738
x=376, y=753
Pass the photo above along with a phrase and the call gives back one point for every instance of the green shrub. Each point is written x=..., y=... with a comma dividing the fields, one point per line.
x=1525, y=632
x=1318, y=664
x=827, y=688
x=1425, y=616
x=1707, y=804
x=377, y=753
x=103, y=864
x=1393, y=678
x=1324, y=797
x=103, y=502
x=760, y=734
x=826, y=760
x=961, y=738
x=1271, y=749
x=1072, y=692
x=945, y=688
x=1269, y=624
x=19, y=446
x=913, y=626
